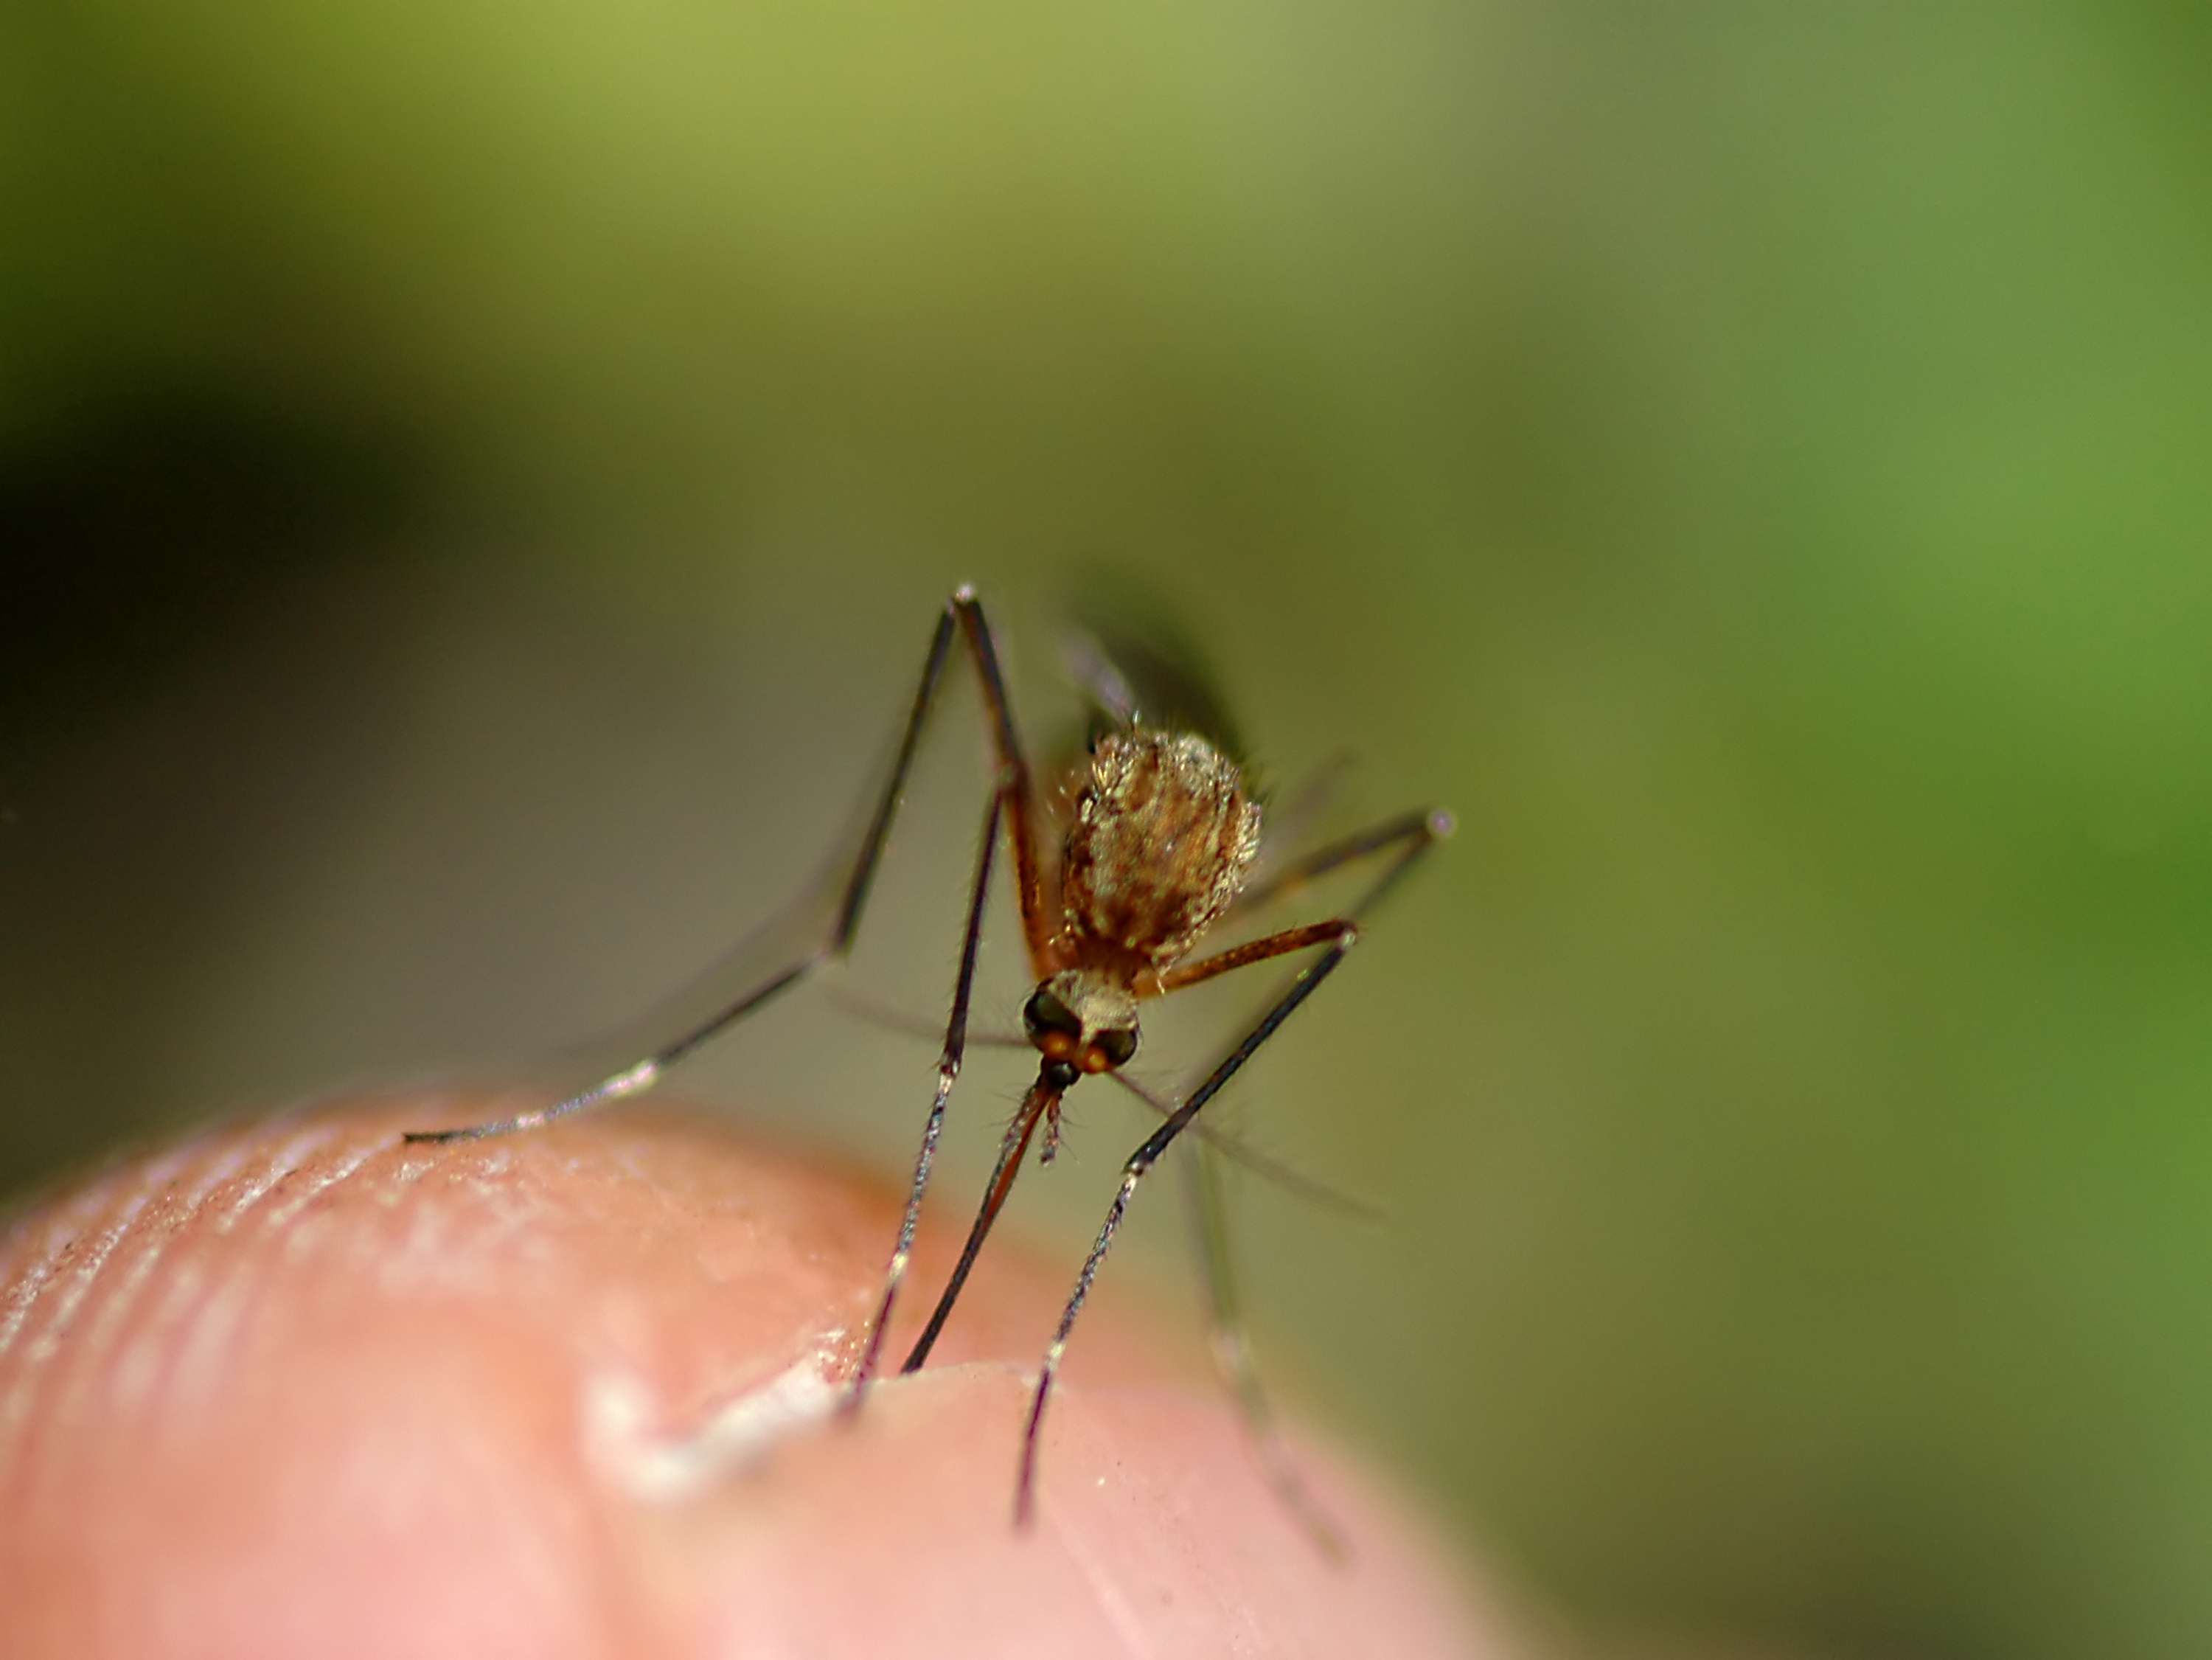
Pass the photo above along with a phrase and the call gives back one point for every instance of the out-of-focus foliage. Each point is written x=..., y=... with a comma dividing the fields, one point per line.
x=1750, y=460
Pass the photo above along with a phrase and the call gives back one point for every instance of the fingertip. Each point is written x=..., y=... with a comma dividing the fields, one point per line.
x=303, y=1387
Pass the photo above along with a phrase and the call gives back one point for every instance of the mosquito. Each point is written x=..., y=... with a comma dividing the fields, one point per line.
x=1159, y=844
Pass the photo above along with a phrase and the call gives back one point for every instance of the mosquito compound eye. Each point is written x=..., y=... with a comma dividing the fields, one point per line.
x=1113, y=1047
x=1045, y=1016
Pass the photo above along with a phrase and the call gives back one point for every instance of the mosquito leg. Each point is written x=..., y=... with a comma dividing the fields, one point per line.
x=948, y=1069
x=1289, y=819
x=1232, y=1356
x=1015, y=782
x=631, y=1080
x=1257, y=950
x=1133, y=1172
x=1016, y=799
x=963, y=620
x=1039, y=1101
x=1410, y=835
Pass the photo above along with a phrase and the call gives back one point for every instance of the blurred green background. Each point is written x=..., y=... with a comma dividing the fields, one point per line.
x=474, y=482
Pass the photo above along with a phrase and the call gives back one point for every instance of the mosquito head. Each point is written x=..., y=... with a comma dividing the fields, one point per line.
x=1081, y=1022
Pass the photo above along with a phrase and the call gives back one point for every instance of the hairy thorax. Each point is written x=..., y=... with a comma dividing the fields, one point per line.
x=1161, y=837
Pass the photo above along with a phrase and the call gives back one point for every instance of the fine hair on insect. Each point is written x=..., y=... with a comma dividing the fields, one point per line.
x=1159, y=842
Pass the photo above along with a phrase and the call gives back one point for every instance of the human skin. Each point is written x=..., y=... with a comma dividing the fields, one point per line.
x=292, y=1388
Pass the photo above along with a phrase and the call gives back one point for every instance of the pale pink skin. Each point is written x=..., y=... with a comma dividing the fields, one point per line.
x=295, y=1389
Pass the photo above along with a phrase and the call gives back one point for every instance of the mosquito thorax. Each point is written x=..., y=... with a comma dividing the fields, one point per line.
x=1082, y=1022
x=1157, y=845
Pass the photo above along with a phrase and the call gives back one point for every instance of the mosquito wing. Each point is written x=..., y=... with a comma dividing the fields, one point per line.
x=1137, y=663
x=809, y=933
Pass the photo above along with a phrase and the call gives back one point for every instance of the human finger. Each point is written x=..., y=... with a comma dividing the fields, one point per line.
x=298, y=1387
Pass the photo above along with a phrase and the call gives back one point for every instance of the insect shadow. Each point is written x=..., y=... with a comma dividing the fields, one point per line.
x=1159, y=844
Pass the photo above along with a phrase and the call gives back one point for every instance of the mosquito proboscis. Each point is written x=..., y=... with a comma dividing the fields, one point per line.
x=1159, y=842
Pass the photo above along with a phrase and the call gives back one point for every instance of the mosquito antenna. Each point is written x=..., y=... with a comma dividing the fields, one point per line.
x=878, y=1011
x=1264, y=1165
